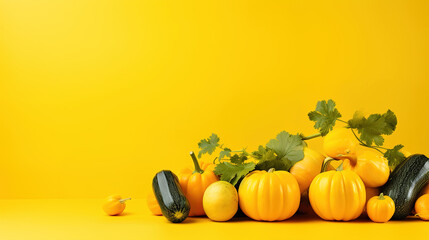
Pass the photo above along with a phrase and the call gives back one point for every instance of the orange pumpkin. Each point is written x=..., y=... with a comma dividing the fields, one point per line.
x=269, y=196
x=152, y=204
x=194, y=185
x=337, y=195
x=307, y=169
x=380, y=208
x=422, y=207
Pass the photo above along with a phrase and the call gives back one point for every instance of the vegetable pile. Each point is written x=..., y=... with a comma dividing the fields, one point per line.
x=269, y=183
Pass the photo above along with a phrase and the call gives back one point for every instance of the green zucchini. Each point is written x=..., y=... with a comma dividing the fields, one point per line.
x=405, y=183
x=171, y=199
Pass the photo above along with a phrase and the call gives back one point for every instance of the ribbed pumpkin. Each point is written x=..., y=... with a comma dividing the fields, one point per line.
x=337, y=195
x=380, y=208
x=269, y=196
x=307, y=169
x=194, y=185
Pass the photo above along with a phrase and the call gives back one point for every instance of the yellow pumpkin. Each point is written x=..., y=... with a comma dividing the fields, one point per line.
x=380, y=208
x=269, y=196
x=371, y=167
x=340, y=143
x=307, y=169
x=337, y=195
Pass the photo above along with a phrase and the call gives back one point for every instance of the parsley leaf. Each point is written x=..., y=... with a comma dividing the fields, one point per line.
x=394, y=156
x=233, y=173
x=208, y=145
x=325, y=116
x=226, y=152
x=287, y=146
x=372, y=128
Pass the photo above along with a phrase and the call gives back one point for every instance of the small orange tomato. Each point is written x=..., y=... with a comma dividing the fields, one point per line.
x=152, y=204
x=114, y=205
x=380, y=208
x=422, y=207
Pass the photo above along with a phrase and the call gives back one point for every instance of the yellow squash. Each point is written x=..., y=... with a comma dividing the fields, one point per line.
x=371, y=167
x=380, y=208
x=269, y=196
x=337, y=195
x=307, y=169
x=340, y=143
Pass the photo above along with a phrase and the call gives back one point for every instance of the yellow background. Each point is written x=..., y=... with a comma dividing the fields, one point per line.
x=97, y=96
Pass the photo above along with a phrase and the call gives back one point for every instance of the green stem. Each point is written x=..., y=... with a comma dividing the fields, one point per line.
x=311, y=136
x=197, y=166
x=325, y=163
x=339, y=120
x=364, y=144
x=123, y=200
x=381, y=196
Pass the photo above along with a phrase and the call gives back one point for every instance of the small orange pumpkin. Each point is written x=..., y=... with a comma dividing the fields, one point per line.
x=152, y=204
x=269, y=196
x=380, y=208
x=422, y=207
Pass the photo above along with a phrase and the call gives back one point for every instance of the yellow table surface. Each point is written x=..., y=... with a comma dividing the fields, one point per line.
x=84, y=219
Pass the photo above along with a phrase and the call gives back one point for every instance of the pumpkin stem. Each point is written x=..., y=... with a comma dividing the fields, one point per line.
x=326, y=163
x=340, y=168
x=123, y=200
x=271, y=170
x=381, y=196
x=196, y=164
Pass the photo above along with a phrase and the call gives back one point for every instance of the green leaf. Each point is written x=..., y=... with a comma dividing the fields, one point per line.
x=233, y=173
x=325, y=116
x=264, y=154
x=226, y=152
x=278, y=164
x=395, y=156
x=372, y=128
x=208, y=145
x=239, y=158
x=287, y=146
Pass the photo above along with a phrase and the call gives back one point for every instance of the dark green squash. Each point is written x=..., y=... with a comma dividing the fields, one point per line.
x=171, y=199
x=405, y=183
